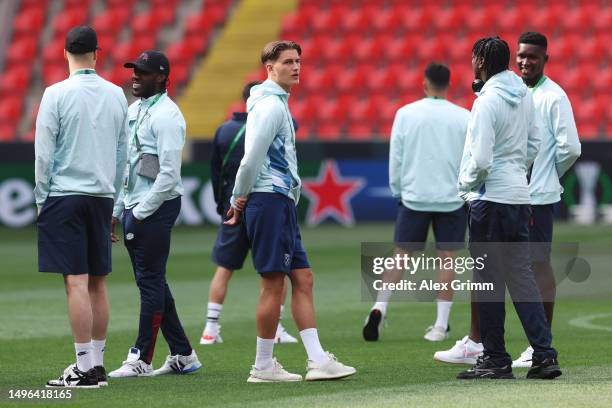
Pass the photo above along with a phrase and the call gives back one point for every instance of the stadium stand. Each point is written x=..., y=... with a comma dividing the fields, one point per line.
x=379, y=54
x=362, y=58
x=34, y=58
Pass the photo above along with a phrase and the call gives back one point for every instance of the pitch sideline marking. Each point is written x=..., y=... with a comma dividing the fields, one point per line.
x=585, y=322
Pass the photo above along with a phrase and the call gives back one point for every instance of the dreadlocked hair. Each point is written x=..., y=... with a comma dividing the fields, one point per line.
x=495, y=54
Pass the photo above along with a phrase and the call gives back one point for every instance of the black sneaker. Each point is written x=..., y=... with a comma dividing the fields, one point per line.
x=75, y=378
x=546, y=369
x=372, y=325
x=101, y=374
x=485, y=368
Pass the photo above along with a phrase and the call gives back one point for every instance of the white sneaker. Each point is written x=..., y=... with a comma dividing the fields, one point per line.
x=524, y=361
x=329, y=370
x=282, y=336
x=434, y=333
x=75, y=378
x=275, y=373
x=178, y=364
x=208, y=338
x=133, y=366
x=465, y=351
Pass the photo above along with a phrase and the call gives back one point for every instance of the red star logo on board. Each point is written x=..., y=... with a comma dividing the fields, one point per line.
x=330, y=195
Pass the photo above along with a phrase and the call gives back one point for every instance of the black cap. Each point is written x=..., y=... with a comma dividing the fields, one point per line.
x=81, y=40
x=154, y=62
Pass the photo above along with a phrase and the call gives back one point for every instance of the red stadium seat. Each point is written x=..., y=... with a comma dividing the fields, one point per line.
x=54, y=73
x=361, y=131
x=181, y=52
x=338, y=49
x=15, y=80
x=401, y=49
x=10, y=109
x=23, y=50
x=30, y=20
x=587, y=131
x=358, y=20
x=328, y=21
x=387, y=20
x=546, y=17
x=111, y=20
x=53, y=51
x=602, y=19
x=7, y=132
x=484, y=19
x=452, y=18
x=329, y=131
x=332, y=111
x=588, y=110
x=148, y=22
x=578, y=17
x=416, y=19
x=68, y=19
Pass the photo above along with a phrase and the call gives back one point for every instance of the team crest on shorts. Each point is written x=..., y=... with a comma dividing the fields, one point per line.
x=287, y=259
x=129, y=236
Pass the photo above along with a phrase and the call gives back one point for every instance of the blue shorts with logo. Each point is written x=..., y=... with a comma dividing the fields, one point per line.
x=541, y=231
x=411, y=228
x=74, y=235
x=232, y=246
x=274, y=233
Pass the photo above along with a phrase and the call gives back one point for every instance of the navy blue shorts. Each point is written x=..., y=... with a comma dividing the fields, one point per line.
x=411, y=228
x=541, y=231
x=74, y=235
x=272, y=228
x=232, y=246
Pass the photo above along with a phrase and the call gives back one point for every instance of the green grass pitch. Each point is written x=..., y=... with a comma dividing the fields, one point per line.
x=35, y=341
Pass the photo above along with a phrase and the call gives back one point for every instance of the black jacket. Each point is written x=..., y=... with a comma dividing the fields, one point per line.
x=223, y=181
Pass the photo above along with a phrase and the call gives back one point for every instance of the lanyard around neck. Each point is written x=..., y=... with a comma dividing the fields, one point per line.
x=139, y=121
x=540, y=82
x=85, y=71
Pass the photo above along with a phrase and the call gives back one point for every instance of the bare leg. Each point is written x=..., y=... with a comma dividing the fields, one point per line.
x=79, y=307
x=99, y=306
x=445, y=276
x=268, y=308
x=218, y=285
x=302, y=305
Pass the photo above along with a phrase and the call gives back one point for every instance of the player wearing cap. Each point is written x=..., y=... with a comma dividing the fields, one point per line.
x=267, y=189
x=80, y=149
x=427, y=133
x=149, y=204
x=232, y=244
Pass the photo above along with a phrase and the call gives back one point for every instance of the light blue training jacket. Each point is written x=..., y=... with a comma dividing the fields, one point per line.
x=427, y=134
x=560, y=144
x=162, y=133
x=502, y=142
x=269, y=163
x=80, y=140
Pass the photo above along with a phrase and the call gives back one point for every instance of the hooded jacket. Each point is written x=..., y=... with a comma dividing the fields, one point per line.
x=502, y=142
x=560, y=145
x=269, y=164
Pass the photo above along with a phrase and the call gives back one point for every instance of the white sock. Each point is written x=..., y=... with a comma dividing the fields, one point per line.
x=310, y=338
x=212, y=318
x=263, y=355
x=444, y=308
x=83, y=353
x=97, y=356
x=382, y=306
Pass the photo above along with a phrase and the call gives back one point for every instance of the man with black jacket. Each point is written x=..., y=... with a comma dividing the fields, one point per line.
x=232, y=245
